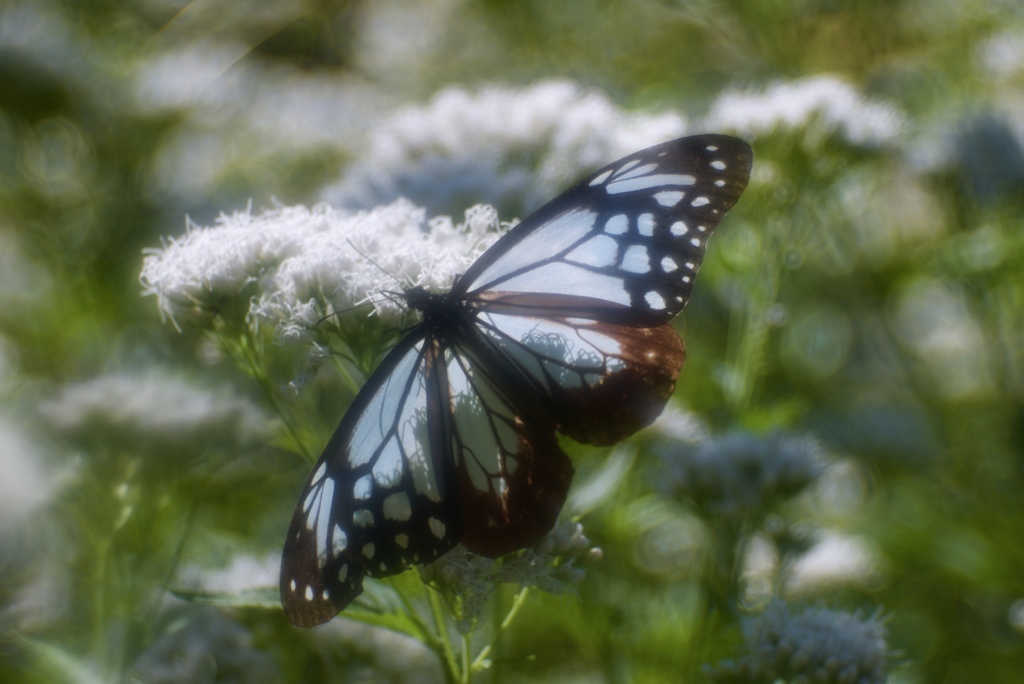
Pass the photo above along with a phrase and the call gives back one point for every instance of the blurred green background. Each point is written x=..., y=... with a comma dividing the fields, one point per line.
x=867, y=291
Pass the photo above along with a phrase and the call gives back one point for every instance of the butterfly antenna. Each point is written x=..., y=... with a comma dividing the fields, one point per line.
x=343, y=311
x=383, y=270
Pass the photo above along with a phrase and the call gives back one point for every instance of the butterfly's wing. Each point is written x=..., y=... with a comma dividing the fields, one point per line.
x=433, y=451
x=599, y=381
x=383, y=494
x=513, y=477
x=578, y=296
x=630, y=236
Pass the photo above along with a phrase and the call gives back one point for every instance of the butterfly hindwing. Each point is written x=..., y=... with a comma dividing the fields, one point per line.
x=632, y=234
x=598, y=380
x=383, y=494
x=513, y=476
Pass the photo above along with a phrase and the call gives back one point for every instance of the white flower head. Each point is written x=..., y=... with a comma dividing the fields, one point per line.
x=553, y=564
x=513, y=146
x=934, y=320
x=293, y=265
x=244, y=573
x=27, y=483
x=823, y=103
x=1001, y=56
x=209, y=645
x=835, y=560
x=156, y=409
x=817, y=645
x=739, y=474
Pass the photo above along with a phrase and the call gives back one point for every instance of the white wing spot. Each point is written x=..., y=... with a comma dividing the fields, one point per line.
x=362, y=517
x=700, y=201
x=686, y=279
x=326, y=595
x=719, y=183
x=311, y=498
x=669, y=198
x=645, y=224
x=383, y=567
x=369, y=550
x=339, y=541
x=309, y=593
x=702, y=229
x=690, y=266
x=363, y=487
x=711, y=148
x=293, y=585
x=636, y=259
x=668, y=264
x=617, y=225
x=601, y=179
x=679, y=228
x=397, y=507
x=719, y=165
x=695, y=242
x=436, y=527
x=641, y=179
x=402, y=540
x=654, y=300
x=323, y=518
x=343, y=573
x=621, y=172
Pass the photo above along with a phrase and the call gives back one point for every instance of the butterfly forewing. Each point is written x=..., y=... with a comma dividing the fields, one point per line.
x=632, y=234
x=380, y=497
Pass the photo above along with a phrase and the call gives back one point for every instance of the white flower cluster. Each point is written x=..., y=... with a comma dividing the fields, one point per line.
x=933, y=319
x=824, y=104
x=739, y=474
x=818, y=645
x=468, y=580
x=513, y=146
x=293, y=265
x=1002, y=55
x=27, y=483
x=207, y=647
x=234, y=108
x=156, y=409
x=245, y=573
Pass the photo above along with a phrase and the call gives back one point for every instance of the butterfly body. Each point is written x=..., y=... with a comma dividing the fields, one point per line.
x=561, y=326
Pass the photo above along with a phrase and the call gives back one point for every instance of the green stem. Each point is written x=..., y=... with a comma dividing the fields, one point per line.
x=467, y=672
x=517, y=603
x=247, y=355
x=443, y=645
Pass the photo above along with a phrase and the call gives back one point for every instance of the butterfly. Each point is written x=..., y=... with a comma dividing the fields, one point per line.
x=561, y=326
